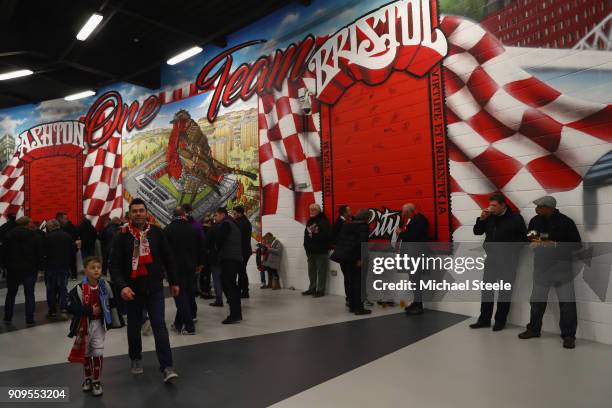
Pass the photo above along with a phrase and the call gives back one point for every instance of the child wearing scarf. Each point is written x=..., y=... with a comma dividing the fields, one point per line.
x=93, y=309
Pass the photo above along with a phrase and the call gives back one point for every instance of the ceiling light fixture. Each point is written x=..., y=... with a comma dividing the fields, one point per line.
x=79, y=95
x=89, y=26
x=184, y=55
x=15, y=74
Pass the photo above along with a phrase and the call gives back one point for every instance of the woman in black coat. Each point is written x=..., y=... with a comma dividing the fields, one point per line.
x=348, y=254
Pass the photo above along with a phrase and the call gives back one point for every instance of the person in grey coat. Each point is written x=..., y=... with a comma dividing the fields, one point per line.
x=272, y=260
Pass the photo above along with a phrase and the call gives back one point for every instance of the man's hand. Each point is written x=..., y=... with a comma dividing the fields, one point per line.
x=175, y=290
x=485, y=214
x=78, y=243
x=199, y=268
x=127, y=293
x=96, y=310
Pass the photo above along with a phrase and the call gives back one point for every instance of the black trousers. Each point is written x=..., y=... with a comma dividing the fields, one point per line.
x=243, y=278
x=154, y=303
x=184, y=309
x=568, y=319
x=205, y=279
x=497, y=268
x=229, y=273
x=353, y=275
x=346, y=271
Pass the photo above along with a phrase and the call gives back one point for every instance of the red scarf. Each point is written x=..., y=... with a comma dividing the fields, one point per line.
x=141, y=254
x=77, y=353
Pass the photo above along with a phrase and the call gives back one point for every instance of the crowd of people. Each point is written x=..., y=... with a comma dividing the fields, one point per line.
x=209, y=259
x=127, y=278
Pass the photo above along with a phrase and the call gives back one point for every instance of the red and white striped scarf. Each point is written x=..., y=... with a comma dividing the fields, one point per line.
x=141, y=254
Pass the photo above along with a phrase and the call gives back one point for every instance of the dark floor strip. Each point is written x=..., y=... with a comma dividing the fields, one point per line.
x=246, y=372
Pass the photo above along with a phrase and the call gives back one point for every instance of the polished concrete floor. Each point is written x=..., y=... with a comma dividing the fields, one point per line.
x=295, y=351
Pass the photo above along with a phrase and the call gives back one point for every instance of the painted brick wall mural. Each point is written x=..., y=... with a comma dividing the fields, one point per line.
x=367, y=103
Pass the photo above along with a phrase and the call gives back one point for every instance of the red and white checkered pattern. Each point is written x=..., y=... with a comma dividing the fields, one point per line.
x=11, y=188
x=509, y=131
x=289, y=153
x=102, y=181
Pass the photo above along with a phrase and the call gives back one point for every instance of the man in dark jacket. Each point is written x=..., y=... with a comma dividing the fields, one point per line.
x=213, y=262
x=73, y=231
x=412, y=235
x=344, y=216
x=186, y=246
x=348, y=253
x=88, y=236
x=59, y=251
x=554, y=237
x=228, y=242
x=106, y=238
x=24, y=256
x=317, y=241
x=206, y=272
x=246, y=229
x=504, y=230
x=4, y=229
x=139, y=256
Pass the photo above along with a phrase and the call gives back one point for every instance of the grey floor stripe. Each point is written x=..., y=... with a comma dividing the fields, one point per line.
x=245, y=372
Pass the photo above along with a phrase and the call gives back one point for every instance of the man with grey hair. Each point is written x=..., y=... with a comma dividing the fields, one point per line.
x=59, y=249
x=317, y=241
x=412, y=235
x=552, y=268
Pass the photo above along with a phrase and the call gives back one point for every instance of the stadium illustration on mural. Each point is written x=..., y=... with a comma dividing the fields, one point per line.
x=289, y=128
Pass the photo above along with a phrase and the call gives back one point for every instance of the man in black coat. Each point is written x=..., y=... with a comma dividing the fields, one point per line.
x=186, y=246
x=4, y=229
x=23, y=259
x=228, y=243
x=344, y=216
x=317, y=242
x=504, y=230
x=73, y=231
x=59, y=252
x=106, y=238
x=554, y=237
x=246, y=229
x=412, y=235
x=348, y=252
x=88, y=236
x=139, y=256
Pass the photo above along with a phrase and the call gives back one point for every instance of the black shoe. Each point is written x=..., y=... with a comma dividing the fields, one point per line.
x=215, y=304
x=362, y=312
x=231, y=320
x=480, y=324
x=30, y=323
x=318, y=294
x=308, y=292
x=414, y=310
x=263, y=286
x=51, y=316
x=498, y=326
x=569, y=342
x=207, y=296
x=244, y=295
x=528, y=334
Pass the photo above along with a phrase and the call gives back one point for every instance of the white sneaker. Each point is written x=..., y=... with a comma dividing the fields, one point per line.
x=136, y=367
x=169, y=374
x=86, y=387
x=96, y=389
x=146, y=328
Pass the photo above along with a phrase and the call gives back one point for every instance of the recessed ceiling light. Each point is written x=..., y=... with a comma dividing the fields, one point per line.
x=15, y=74
x=89, y=26
x=184, y=55
x=79, y=95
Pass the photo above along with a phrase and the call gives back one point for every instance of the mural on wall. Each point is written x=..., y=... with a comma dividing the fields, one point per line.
x=365, y=103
